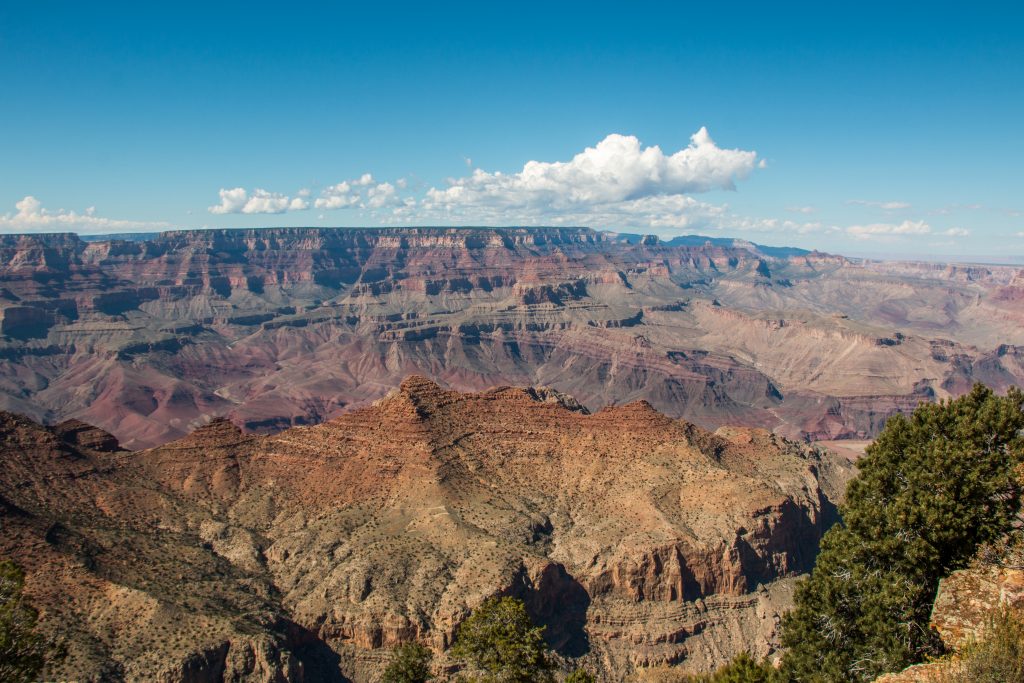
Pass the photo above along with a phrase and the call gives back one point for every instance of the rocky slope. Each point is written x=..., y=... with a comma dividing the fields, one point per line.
x=637, y=539
x=964, y=606
x=150, y=338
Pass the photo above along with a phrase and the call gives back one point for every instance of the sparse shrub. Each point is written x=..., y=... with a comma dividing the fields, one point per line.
x=930, y=490
x=22, y=650
x=410, y=663
x=998, y=657
x=501, y=643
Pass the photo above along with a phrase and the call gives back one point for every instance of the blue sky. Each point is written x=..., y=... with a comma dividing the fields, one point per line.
x=869, y=128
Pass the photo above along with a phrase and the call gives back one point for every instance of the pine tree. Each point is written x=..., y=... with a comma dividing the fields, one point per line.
x=499, y=640
x=930, y=490
x=410, y=663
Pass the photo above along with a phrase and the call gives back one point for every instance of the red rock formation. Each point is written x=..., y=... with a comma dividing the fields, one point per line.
x=637, y=539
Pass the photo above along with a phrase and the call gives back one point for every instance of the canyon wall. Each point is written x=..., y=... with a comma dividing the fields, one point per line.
x=151, y=338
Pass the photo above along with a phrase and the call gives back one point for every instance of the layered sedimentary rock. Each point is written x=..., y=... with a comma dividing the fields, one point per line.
x=637, y=539
x=150, y=338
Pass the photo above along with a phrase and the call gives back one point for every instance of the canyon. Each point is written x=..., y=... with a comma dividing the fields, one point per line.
x=275, y=454
x=152, y=336
x=637, y=539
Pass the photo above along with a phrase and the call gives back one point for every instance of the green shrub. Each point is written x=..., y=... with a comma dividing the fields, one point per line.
x=410, y=663
x=500, y=642
x=930, y=490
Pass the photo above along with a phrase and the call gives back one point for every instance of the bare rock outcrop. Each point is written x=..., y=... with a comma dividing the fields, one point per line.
x=964, y=605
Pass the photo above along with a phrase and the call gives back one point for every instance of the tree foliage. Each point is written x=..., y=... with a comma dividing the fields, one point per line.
x=500, y=642
x=410, y=663
x=930, y=489
x=22, y=650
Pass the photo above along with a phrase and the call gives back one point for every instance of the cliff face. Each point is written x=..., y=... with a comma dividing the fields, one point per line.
x=282, y=327
x=637, y=539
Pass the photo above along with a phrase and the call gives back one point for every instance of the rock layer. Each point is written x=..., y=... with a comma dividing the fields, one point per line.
x=149, y=339
x=637, y=539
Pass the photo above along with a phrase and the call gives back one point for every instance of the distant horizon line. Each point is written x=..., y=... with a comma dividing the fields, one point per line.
x=966, y=259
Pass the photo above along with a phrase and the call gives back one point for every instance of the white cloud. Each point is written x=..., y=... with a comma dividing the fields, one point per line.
x=262, y=201
x=889, y=229
x=801, y=209
x=617, y=183
x=31, y=216
x=239, y=200
x=1020, y=234
x=362, y=192
x=617, y=170
x=337, y=196
x=887, y=206
x=231, y=201
x=380, y=196
x=904, y=229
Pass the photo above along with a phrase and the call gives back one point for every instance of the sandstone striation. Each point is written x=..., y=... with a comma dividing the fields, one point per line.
x=149, y=338
x=637, y=539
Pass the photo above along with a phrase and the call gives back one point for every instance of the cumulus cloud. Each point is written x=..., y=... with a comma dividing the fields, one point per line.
x=887, y=206
x=617, y=170
x=380, y=196
x=240, y=200
x=616, y=183
x=363, y=193
x=31, y=216
x=801, y=209
x=337, y=196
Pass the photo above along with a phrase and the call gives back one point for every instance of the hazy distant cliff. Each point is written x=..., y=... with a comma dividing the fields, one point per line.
x=275, y=327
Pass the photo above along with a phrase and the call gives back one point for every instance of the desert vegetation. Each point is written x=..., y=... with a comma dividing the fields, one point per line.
x=500, y=644
x=933, y=489
x=997, y=657
x=410, y=663
x=22, y=649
